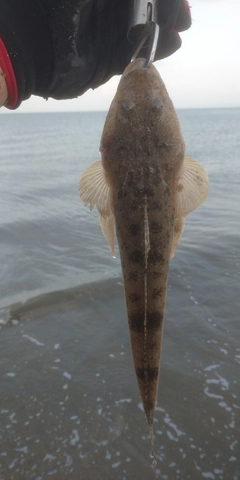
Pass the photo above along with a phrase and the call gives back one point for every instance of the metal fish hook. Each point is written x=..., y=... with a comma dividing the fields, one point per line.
x=143, y=28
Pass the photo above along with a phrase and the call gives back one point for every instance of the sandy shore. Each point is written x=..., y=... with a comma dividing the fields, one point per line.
x=69, y=404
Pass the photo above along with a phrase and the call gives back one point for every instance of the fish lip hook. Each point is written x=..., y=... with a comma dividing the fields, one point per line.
x=153, y=41
x=144, y=29
x=154, y=33
x=152, y=45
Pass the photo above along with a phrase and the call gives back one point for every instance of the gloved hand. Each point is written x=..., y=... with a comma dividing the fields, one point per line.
x=103, y=46
x=170, y=25
x=61, y=48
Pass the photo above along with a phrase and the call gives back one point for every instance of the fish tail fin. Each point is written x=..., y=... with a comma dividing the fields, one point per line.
x=152, y=454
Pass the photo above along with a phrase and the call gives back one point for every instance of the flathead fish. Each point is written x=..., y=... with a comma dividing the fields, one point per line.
x=143, y=188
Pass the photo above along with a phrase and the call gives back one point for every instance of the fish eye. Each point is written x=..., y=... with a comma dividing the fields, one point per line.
x=156, y=103
x=128, y=104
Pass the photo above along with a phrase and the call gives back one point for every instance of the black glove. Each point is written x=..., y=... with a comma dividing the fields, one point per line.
x=61, y=48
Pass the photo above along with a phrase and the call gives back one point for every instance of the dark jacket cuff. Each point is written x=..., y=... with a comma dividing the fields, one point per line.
x=24, y=30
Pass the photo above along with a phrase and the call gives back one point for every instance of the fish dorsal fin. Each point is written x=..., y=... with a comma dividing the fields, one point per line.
x=94, y=189
x=192, y=187
x=108, y=230
x=178, y=228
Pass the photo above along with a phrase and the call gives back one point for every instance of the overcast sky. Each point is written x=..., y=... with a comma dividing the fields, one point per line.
x=205, y=72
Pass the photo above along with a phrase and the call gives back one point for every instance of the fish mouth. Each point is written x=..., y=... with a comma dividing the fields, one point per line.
x=139, y=64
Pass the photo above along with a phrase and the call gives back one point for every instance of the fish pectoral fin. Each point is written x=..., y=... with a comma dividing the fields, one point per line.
x=192, y=187
x=191, y=191
x=178, y=228
x=108, y=230
x=94, y=189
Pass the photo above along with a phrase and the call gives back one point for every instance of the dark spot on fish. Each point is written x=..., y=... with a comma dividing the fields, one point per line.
x=136, y=257
x=156, y=205
x=156, y=227
x=134, y=297
x=156, y=179
x=121, y=194
x=134, y=229
x=179, y=188
x=156, y=274
x=155, y=257
x=142, y=192
x=134, y=276
x=136, y=322
x=157, y=292
x=134, y=205
x=148, y=373
x=167, y=190
x=154, y=320
x=121, y=148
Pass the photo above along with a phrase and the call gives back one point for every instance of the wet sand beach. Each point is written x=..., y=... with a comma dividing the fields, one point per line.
x=70, y=408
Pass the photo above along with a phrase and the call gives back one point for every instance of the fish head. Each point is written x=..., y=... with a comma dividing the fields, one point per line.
x=141, y=123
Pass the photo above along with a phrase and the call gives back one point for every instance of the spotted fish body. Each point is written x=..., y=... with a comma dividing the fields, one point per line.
x=142, y=151
x=144, y=187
